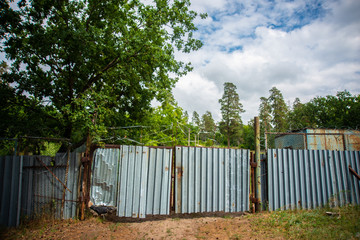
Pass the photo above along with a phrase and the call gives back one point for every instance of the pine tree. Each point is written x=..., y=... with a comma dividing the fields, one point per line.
x=196, y=119
x=265, y=114
x=208, y=125
x=279, y=110
x=231, y=108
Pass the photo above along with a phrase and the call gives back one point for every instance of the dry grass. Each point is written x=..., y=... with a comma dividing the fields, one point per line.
x=301, y=224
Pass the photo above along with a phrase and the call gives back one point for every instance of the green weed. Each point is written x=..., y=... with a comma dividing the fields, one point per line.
x=313, y=224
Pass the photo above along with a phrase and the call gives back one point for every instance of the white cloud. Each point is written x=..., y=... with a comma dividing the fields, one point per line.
x=198, y=94
x=318, y=58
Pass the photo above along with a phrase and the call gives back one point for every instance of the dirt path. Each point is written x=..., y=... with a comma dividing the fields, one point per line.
x=225, y=227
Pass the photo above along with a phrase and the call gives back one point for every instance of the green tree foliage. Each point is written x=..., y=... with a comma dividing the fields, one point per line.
x=248, y=136
x=340, y=112
x=196, y=119
x=279, y=110
x=92, y=63
x=231, y=108
x=208, y=129
x=165, y=125
x=301, y=116
x=168, y=126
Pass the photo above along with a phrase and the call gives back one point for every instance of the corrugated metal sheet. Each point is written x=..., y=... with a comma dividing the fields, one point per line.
x=159, y=181
x=42, y=193
x=29, y=189
x=10, y=193
x=73, y=183
x=211, y=180
x=134, y=164
x=312, y=178
x=105, y=173
x=134, y=179
x=264, y=185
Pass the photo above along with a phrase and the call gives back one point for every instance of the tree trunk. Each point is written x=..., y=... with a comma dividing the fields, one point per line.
x=67, y=134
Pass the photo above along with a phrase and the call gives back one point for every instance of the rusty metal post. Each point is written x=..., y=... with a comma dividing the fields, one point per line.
x=258, y=164
x=86, y=178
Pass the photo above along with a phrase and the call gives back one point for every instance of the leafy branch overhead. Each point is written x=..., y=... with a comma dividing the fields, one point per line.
x=92, y=59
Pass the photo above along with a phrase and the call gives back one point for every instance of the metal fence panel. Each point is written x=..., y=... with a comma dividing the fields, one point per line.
x=42, y=193
x=29, y=189
x=10, y=193
x=104, y=181
x=134, y=179
x=159, y=181
x=73, y=183
x=312, y=178
x=211, y=180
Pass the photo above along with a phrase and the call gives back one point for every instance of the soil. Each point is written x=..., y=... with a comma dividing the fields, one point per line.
x=191, y=226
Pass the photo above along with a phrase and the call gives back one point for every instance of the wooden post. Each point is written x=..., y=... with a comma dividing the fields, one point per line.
x=258, y=164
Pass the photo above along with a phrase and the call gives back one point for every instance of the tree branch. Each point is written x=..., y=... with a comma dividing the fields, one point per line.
x=96, y=77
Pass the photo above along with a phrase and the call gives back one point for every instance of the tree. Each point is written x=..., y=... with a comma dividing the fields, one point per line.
x=95, y=63
x=301, y=115
x=196, y=119
x=279, y=110
x=3, y=68
x=340, y=111
x=167, y=125
x=265, y=114
x=208, y=126
x=231, y=108
x=248, y=136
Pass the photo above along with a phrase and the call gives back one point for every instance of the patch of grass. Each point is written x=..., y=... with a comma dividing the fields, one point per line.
x=100, y=219
x=313, y=224
x=228, y=217
x=235, y=236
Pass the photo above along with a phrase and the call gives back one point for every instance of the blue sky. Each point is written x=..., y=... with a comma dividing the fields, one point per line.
x=304, y=48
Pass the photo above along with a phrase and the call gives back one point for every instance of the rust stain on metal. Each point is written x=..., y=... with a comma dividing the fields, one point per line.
x=322, y=163
x=275, y=155
x=166, y=169
x=179, y=171
x=354, y=142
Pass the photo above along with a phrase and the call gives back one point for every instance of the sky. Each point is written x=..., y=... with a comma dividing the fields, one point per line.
x=304, y=48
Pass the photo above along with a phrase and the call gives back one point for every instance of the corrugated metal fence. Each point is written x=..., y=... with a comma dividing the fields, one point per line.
x=10, y=193
x=312, y=178
x=134, y=179
x=29, y=189
x=138, y=181
x=211, y=180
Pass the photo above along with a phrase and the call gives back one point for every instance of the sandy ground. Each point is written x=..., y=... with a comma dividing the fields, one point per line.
x=182, y=227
